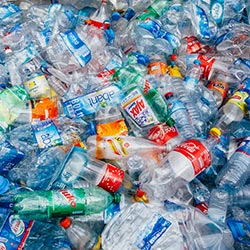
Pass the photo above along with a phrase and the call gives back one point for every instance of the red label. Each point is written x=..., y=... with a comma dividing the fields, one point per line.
x=197, y=153
x=112, y=178
x=70, y=198
x=203, y=207
x=206, y=65
x=193, y=44
x=162, y=133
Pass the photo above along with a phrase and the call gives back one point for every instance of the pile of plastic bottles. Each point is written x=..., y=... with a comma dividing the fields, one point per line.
x=125, y=124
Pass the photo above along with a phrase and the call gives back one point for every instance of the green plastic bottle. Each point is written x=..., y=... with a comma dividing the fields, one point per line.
x=42, y=205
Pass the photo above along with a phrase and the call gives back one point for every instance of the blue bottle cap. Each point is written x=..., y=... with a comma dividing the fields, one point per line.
x=4, y=185
x=198, y=62
x=115, y=16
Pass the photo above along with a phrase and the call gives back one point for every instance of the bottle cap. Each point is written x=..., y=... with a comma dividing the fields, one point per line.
x=168, y=95
x=117, y=197
x=115, y=16
x=4, y=185
x=65, y=222
x=173, y=57
x=198, y=62
x=215, y=131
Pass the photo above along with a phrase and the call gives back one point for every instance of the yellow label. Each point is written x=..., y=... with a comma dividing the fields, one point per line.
x=238, y=99
x=174, y=71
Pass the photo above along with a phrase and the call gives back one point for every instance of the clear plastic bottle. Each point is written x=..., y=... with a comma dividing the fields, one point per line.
x=180, y=115
x=80, y=235
x=218, y=205
x=236, y=172
x=232, y=112
x=240, y=197
x=182, y=164
x=42, y=205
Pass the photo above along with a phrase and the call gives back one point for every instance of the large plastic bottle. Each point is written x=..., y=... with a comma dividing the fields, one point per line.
x=80, y=235
x=232, y=112
x=182, y=164
x=236, y=172
x=40, y=205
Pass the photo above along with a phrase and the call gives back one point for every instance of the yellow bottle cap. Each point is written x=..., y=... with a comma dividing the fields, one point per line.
x=215, y=131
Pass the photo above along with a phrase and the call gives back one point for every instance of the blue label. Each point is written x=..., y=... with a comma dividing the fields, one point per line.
x=77, y=47
x=173, y=40
x=110, y=212
x=152, y=26
x=71, y=169
x=9, y=157
x=13, y=233
x=244, y=147
x=70, y=15
x=157, y=227
x=46, y=134
x=175, y=106
x=8, y=10
x=204, y=31
x=217, y=10
x=90, y=103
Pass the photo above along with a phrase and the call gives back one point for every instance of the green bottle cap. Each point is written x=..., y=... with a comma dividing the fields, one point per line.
x=117, y=198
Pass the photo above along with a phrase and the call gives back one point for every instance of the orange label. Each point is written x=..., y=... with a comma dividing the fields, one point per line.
x=220, y=86
x=157, y=68
x=44, y=109
x=114, y=128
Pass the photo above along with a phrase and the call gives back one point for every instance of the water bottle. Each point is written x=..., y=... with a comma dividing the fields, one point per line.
x=79, y=233
x=79, y=165
x=180, y=115
x=181, y=165
x=240, y=197
x=145, y=227
x=232, y=112
x=218, y=205
x=235, y=173
x=42, y=205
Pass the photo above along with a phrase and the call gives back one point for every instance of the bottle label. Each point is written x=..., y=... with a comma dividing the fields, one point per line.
x=174, y=71
x=14, y=233
x=220, y=86
x=88, y=104
x=152, y=26
x=8, y=10
x=193, y=44
x=244, y=146
x=152, y=232
x=46, y=134
x=217, y=10
x=196, y=153
x=204, y=30
x=114, y=128
x=112, y=178
x=138, y=109
x=206, y=64
x=9, y=157
x=66, y=203
x=37, y=87
x=77, y=47
x=157, y=68
x=162, y=133
x=175, y=106
x=238, y=99
x=173, y=40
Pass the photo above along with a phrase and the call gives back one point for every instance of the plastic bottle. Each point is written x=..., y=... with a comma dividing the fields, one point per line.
x=42, y=205
x=79, y=165
x=240, y=197
x=118, y=147
x=182, y=164
x=217, y=206
x=180, y=115
x=236, y=172
x=232, y=112
x=79, y=234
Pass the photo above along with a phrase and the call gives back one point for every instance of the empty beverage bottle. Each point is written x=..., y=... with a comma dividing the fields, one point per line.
x=42, y=205
x=236, y=172
x=80, y=235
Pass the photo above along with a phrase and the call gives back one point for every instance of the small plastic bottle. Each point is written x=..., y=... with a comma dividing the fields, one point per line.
x=80, y=235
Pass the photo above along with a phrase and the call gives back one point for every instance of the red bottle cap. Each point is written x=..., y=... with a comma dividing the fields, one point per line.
x=65, y=222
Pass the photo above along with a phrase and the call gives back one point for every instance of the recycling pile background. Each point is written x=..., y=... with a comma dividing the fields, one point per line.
x=125, y=124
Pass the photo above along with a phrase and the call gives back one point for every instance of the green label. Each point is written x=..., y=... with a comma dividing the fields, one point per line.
x=66, y=203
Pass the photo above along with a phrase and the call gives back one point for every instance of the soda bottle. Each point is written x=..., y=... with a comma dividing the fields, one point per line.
x=42, y=205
